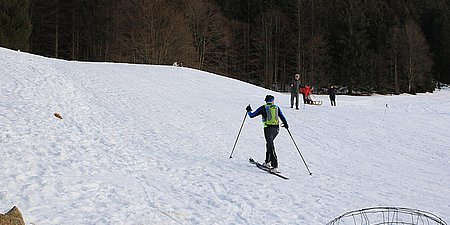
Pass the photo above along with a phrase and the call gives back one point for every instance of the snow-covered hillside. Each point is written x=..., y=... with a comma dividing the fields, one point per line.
x=141, y=144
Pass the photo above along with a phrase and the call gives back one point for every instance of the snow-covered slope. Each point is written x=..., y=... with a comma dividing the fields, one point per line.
x=141, y=144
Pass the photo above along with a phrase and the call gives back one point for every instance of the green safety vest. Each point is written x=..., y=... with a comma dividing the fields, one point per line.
x=271, y=115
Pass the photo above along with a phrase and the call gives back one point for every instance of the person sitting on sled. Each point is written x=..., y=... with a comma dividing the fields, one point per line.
x=307, y=91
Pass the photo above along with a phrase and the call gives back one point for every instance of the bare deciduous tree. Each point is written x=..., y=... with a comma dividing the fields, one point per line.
x=394, y=37
x=209, y=31
x=268, y=36
x=150, y=32
x=418, y=61
x=318, y=61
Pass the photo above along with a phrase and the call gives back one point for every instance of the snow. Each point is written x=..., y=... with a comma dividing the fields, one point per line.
x=146, y=144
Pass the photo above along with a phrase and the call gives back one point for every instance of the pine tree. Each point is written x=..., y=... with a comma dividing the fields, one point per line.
x=15, y=24
x=350, y=43
x=44, y=37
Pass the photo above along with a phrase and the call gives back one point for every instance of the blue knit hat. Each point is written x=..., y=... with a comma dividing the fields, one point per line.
x=269, y=98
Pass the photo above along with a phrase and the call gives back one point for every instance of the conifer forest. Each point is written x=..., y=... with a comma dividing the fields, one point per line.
x=366, y=46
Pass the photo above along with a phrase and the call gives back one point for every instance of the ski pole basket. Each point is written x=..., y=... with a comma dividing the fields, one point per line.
x=387, y=216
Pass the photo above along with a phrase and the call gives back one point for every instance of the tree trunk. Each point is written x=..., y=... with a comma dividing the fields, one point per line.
x=56, y=31
x=396, y=82
x=299, y=38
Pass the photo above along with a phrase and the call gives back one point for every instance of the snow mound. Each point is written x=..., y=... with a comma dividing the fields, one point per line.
x=146, y=144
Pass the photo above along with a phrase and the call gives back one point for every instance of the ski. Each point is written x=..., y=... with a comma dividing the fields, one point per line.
x=260, y=166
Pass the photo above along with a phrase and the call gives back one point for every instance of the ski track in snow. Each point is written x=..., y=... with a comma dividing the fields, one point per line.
x=150, y=145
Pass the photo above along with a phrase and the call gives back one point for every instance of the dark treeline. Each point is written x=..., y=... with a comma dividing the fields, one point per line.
x=384, y=46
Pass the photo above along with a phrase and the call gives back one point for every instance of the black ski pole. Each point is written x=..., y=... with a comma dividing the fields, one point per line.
x=384, y=114
x=299, y=151
x=245, y=116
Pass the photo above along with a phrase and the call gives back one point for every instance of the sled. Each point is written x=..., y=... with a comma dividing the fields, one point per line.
x=314, y=102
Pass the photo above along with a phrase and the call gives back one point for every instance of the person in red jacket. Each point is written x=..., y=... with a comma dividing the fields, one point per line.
x=307, y=91
x=303, y=92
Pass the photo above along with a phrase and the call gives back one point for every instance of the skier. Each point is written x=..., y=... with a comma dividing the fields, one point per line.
x=332, y=94
x=271, y=115
x=294, y=90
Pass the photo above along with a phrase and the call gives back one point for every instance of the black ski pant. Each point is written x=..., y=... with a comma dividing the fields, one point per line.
x=270, y=133
x=294, y=96
x=333, y=100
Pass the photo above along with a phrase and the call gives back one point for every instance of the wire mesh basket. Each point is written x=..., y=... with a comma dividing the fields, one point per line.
x=387, y=216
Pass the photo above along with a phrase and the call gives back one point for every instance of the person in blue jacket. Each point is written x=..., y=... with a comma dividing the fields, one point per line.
x=271, y=115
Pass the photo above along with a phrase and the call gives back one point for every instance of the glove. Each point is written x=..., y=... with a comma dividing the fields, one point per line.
x=249, y=108
x=285, y=126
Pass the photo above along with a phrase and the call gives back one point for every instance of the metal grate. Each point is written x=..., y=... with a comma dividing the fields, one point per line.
x=387, y=216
